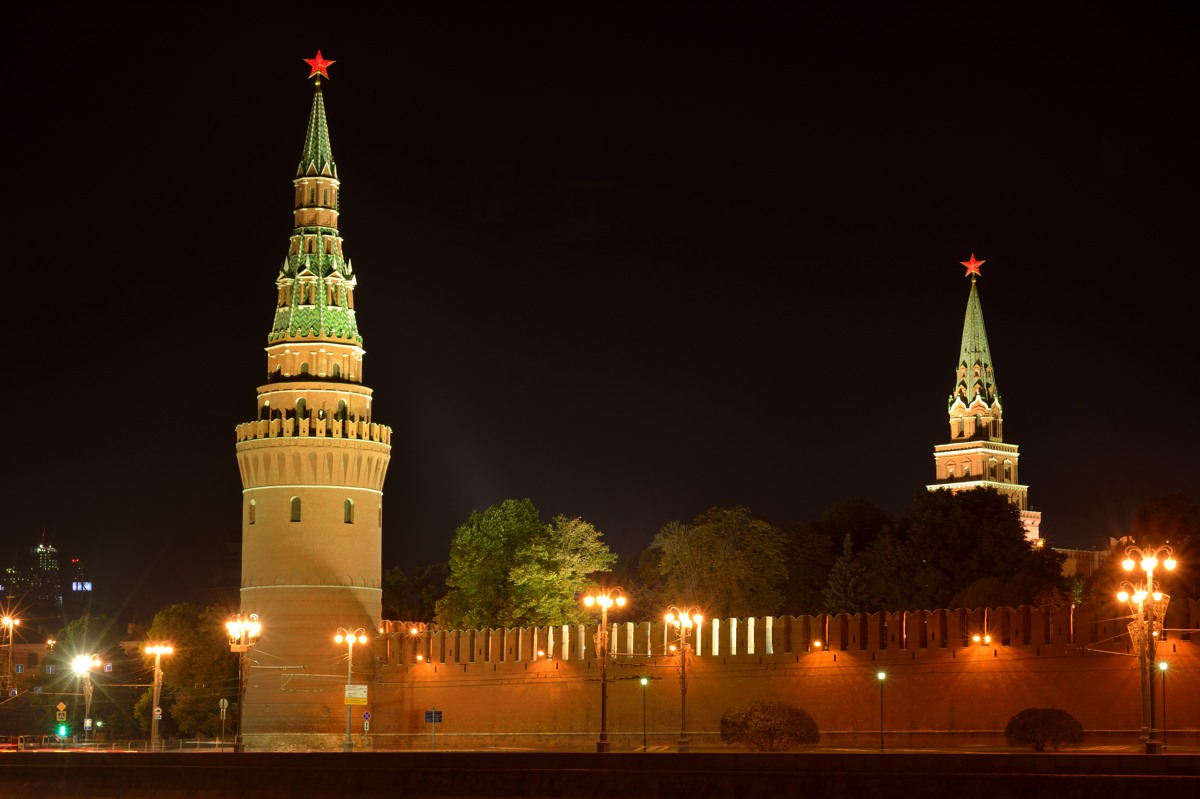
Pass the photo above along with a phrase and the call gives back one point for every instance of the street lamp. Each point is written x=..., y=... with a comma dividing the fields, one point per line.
x=683, y=620
x=83, y=665
x=1162, y=668
x=644, y=681
x=349, y=637
x=1148, y=605
x=158, y=650
x=10, y=624
x=243, y=633
x=605, y=598
x=882, y=677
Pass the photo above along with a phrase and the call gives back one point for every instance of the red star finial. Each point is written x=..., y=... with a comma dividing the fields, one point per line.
x=971, y=265
x=318, y=64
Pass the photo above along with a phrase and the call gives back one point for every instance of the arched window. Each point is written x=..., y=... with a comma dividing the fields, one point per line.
x=312, y=195
x=325, y=195
x=337, y=370
x=295, y=509
x=348, y=512
x=251, y=512
x=304, y=368
x=341, y=411
x=301, y=409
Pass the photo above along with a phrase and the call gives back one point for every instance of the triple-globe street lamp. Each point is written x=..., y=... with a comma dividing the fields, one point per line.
x=1148, y=605
x=158, y=650
x=683, y=620
x=349, y=638
x=243, y=631
x=605, y=598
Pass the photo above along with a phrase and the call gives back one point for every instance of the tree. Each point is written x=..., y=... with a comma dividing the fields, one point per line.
x=196, y=676
x=414, y=598
x=768, y=726
x=726, y=561
x=846, y=591
x=952, y=539
x=812, y=550
x=1036, y=727
x=810, y=559
x=507, y=569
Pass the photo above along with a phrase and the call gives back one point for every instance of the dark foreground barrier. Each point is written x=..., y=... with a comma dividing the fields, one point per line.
x=367, y=775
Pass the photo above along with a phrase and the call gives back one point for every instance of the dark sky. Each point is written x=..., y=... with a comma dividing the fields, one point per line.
x=628, y=262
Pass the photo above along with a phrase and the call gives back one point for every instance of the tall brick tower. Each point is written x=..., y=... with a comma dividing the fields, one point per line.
x=977, y=454
x=312, y=465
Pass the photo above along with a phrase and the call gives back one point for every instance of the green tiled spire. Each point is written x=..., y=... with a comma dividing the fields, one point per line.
x=974, y=373
x=317, y=158
x=316, y=281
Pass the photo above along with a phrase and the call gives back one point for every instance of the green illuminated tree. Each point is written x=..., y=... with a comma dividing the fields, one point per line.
x=508, y=569
x=196, y=676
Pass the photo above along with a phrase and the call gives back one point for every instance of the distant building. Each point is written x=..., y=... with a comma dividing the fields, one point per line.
x=40, y=591
x=977, y=455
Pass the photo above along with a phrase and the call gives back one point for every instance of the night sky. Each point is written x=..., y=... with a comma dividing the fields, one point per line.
x=628, y=262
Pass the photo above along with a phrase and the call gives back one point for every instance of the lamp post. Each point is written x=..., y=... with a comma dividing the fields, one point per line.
x=349, y=637
x=83, y=665
x=10, y=624
x=1162, y=668
x=882, y=677
x=158, y=650
x=605, y=598
x=644, y=681
x=243, y=633
x=683, y=620
x=1148, y=605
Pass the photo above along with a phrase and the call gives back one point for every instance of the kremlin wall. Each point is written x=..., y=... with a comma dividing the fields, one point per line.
x=538, y=688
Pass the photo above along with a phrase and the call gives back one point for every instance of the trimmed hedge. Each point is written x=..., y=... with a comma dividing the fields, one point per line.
x=768, y=726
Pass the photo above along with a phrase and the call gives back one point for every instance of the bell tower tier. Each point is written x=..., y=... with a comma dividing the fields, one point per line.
x=312, y=465
x=976, y=455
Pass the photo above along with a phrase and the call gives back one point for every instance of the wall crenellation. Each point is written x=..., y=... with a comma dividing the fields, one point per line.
x=1024, y=626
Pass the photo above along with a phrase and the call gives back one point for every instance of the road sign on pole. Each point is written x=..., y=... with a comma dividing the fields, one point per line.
x=356, y=694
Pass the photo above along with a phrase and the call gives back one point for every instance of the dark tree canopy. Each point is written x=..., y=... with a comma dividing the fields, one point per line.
x=950, y=541
x=726, y=561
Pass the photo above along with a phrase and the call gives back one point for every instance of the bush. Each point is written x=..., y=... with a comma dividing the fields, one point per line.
x=1038, y=726
x=768, y=726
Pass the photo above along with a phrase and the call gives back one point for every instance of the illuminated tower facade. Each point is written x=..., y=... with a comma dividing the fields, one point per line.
x=312, y=465
x=977, y=455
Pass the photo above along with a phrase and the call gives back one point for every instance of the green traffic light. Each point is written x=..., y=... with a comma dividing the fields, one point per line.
x=62, y=730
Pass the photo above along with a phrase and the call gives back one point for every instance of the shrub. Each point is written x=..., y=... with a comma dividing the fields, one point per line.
x=1038, y=726
x=768, y=726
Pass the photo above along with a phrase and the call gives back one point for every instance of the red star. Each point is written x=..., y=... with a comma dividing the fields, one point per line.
x=971, y=265
x=318, y=64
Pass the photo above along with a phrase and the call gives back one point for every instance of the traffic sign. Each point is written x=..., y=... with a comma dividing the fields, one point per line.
x=433, y=717
x=223, y=704
x=366, y=715
x=356, y=694
x=158, y=713
x=60, y=707
x=87, y=724
x=61, y=715
x=366, y=726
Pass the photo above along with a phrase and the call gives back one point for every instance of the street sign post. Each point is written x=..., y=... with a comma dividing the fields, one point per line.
x=433, y=717
x=356, y=694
